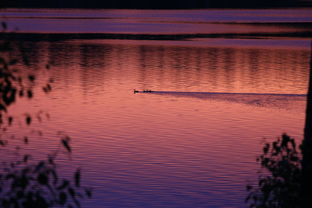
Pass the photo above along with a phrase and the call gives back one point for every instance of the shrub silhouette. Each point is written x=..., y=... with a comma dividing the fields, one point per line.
x=287, y=181
x=279, y=184
x=26, y=182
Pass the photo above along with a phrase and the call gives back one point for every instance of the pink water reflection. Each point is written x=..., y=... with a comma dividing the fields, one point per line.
x=155, y=149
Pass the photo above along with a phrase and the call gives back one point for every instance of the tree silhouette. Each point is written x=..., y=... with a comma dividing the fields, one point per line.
x=26, y=182
x=307, y=147
x=287, y=180
x=279, y=183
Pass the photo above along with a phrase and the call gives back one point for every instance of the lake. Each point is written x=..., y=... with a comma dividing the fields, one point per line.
x=224, y=82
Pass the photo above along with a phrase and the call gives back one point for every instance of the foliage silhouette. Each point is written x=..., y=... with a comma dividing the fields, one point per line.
x=287, y=182
x=26, y=182
x=306, y=196
x=279, y=184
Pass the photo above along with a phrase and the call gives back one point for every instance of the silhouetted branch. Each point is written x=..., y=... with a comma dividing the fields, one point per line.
x=307, y=147
x=279, y=184
x=25, y=182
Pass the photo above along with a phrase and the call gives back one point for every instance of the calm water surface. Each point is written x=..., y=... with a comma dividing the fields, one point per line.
x=182, y=146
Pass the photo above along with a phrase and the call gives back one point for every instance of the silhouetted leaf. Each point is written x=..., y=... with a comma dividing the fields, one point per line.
x=55, y=177
x=63, y=198
x=8, y=95
x=64, y=185
x=43, y=179
x=21, y=93
x=29, y=94
x=23, y=182
x=72, y=193
x=10, y=120
x=2, y=142
x=28, y=120
x=293, y=143
x=39, y=166
x=77, y=177
x=3, y=108
x=88, y=192
x=47, y=88
x=266, y=148
x=248, y=187
x=51, y=159
x=26, y=157
x=31, y=78
x=65, y=142
x=26, y=140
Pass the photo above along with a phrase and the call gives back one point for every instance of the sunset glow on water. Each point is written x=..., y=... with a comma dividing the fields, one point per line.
x=192, y=143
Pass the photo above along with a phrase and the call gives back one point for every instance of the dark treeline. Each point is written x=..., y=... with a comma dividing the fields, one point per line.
x=155, y=4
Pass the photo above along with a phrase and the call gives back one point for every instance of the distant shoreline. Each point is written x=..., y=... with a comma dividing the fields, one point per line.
x=121, y=36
